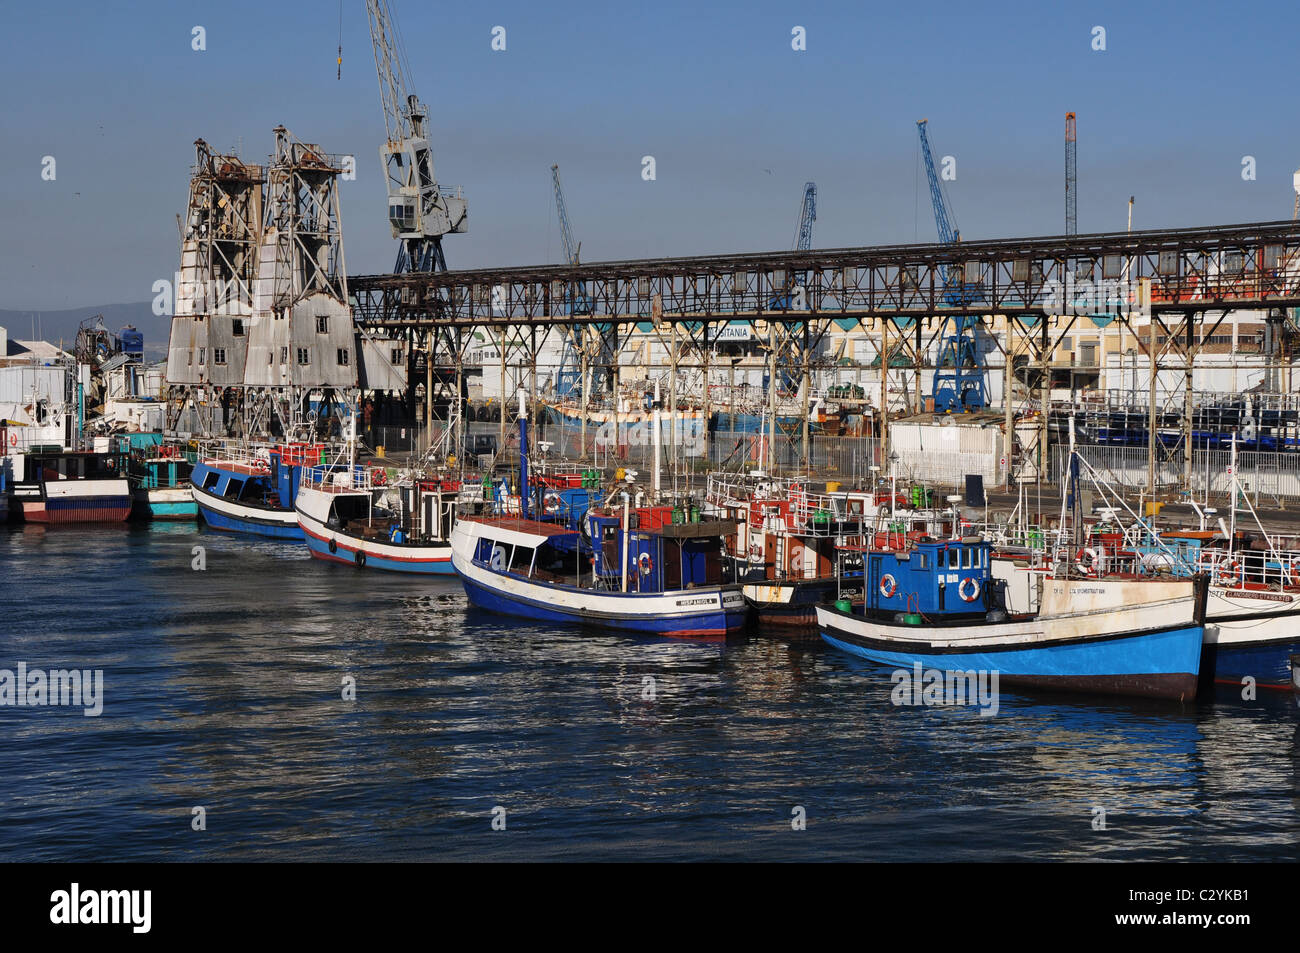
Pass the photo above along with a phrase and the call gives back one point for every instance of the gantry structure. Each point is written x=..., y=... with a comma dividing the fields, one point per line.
x=1170, y=288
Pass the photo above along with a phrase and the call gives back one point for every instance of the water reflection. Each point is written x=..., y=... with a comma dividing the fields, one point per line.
x=225, y=689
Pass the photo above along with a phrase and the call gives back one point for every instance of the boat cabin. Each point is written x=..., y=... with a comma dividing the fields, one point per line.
x=932, y=578
x=664, y=559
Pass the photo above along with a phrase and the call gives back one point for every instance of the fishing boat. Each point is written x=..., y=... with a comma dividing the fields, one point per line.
x=656, y=579
x=666, y=581
x=251, y=489
x=939, y=605
x=70, y=486
x=355, y=516
x=159, y=473
x=784, y=549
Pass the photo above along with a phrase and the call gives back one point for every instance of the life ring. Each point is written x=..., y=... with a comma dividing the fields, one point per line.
x=262, y=465
x=13, y=440
x=1089, y=561
x=359, y=558
x=1291, y=572
x=645, y=564
x=378, y=477
x=551, y=504
x=971, y=586
x=111, y=463
x=888, y=586
x=1229, y=572
x=334, y=547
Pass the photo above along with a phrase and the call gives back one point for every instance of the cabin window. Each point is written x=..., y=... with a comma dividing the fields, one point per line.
x=924, y=561
x=952, y=559
x=965, y=558
x=344, y=357
x=304, y=356
x=218, y=355
x=237, y=327
x=211, y=479
x=322, y=324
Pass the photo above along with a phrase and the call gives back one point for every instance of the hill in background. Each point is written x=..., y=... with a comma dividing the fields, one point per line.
x=61, y=326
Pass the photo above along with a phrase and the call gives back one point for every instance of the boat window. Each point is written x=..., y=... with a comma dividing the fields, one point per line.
x=952, y=559
x=965, y=558
x=210, y=480
x=925, y=561
x=233, y=487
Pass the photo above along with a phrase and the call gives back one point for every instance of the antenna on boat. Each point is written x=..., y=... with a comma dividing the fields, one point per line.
x=523, y=452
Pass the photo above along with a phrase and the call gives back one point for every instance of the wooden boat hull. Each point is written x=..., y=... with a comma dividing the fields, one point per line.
x=707, y=612
x=1148, y=649
x=333, y=545
x=231, y=517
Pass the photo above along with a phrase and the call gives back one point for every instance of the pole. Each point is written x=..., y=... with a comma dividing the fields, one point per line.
x=771, y=399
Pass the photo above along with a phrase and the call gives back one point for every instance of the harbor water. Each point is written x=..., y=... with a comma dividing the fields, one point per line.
x=224, y=689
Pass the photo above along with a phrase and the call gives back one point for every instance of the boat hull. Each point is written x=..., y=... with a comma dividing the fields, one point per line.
x=1258, y=648
x=230, y=517
x=165, y=503
x=335, y=547
x=79, y=501
x=713, y=624
x=1122, y=652
x=790, y=607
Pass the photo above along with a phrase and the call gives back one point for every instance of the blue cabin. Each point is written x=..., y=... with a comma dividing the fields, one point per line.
x=933, y=578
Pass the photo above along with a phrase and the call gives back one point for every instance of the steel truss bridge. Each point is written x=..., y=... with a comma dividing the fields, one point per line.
x=1186, y=280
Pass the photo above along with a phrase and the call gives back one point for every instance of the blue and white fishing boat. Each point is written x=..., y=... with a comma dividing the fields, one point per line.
x=357, y=516
x=665, y=580
x=252, y=489
x=938, y=605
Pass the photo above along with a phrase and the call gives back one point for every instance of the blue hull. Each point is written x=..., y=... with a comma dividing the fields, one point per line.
x=268, y=528
x=347, y=555
x=712, y=624
x=1161, y=664
x=1268, y=664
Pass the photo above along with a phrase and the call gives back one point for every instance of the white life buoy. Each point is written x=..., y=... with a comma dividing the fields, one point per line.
x=551, y=504
x=645, y=564
x=888, y=586
x=969, y=590
x=1089, y=561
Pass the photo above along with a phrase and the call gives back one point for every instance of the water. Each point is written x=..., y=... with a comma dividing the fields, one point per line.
x=223, y=690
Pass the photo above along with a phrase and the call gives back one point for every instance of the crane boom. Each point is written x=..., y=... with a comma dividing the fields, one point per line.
x=420, y=212
x=807, y=215
x=943, y=218
x=571, y=249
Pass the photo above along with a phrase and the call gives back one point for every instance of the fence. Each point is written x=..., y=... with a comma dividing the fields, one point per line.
x=1262, y=476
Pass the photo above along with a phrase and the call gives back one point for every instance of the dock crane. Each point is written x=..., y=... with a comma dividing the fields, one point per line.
x=959, y=372
x=567, y=377
x=420, y=211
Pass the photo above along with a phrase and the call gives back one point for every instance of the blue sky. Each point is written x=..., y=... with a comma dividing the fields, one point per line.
x=713, y=91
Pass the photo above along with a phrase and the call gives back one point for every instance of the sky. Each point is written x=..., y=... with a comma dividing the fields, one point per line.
x=735, y=118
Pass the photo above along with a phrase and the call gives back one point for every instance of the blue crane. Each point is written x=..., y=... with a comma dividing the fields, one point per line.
x=959, y=373
x=802, y=242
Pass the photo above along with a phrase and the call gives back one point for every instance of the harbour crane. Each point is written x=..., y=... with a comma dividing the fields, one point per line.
x=1071, y=178
x=807, y=215
x=569, y=372
x=959, y=372
x=420, y=211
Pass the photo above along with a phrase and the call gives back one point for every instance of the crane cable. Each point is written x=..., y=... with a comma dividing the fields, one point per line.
x=340, y=73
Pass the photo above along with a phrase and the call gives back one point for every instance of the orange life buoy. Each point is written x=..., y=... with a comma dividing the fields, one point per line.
x=378, y=477
x=888, y=586
x=969, y=594
x=645, y=564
